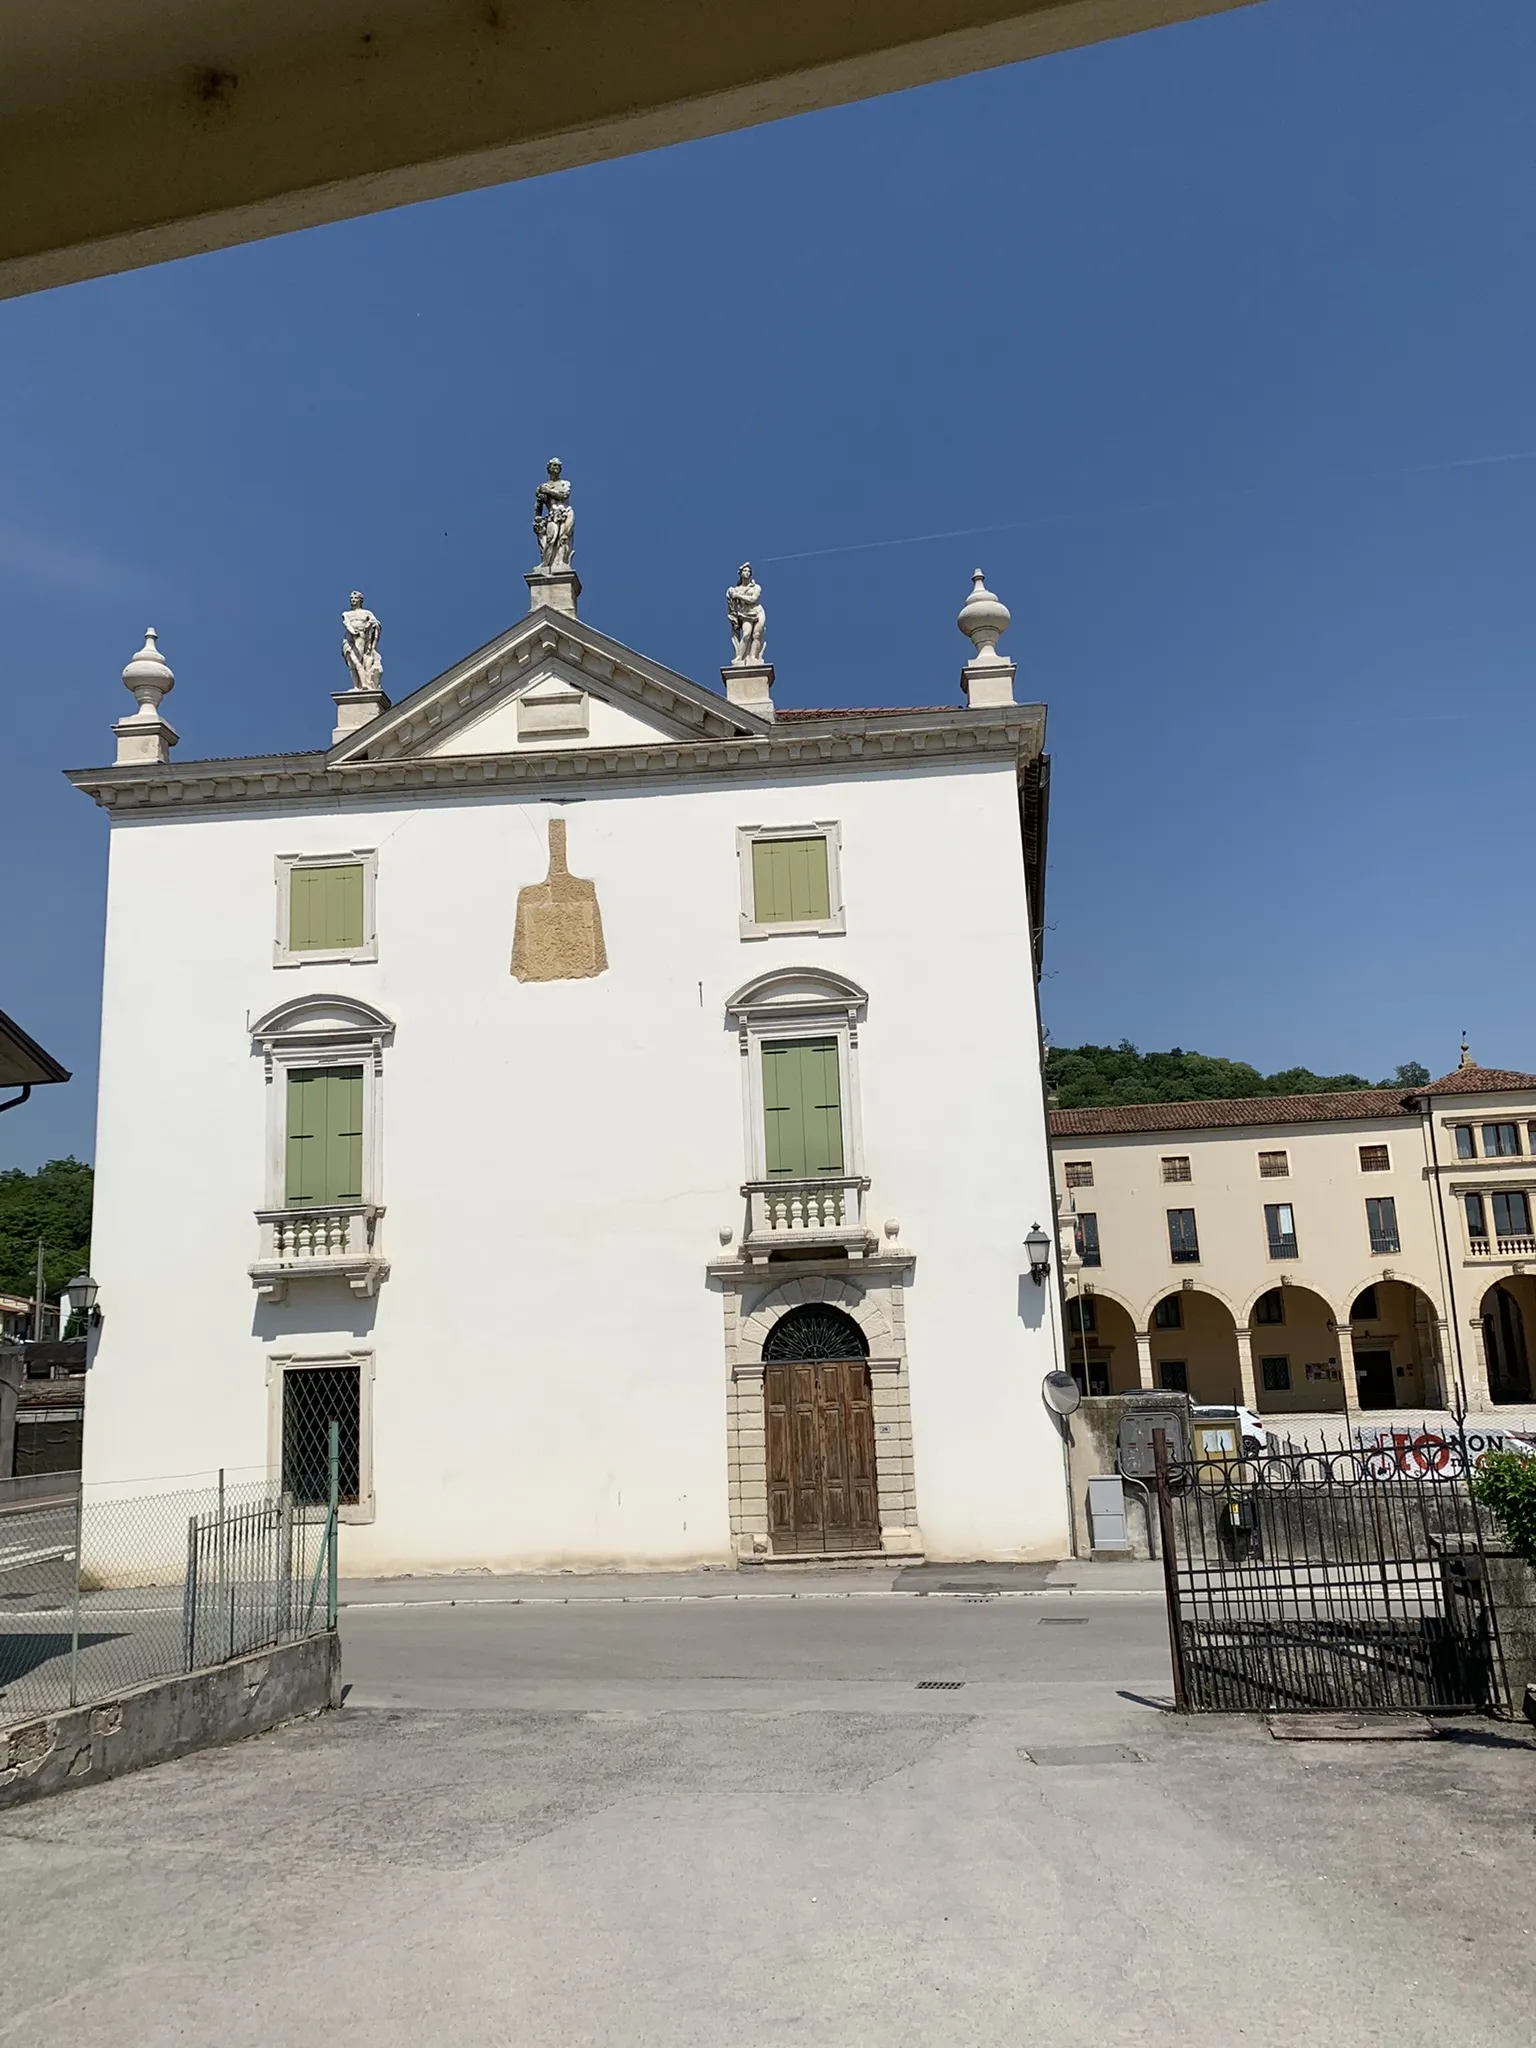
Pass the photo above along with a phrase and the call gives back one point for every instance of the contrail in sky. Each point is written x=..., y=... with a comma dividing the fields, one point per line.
x=907, y=540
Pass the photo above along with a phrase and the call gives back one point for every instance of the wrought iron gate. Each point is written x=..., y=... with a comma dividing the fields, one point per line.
x=1317, y=1581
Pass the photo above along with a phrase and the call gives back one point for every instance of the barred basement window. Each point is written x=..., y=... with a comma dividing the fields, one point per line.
x=1375, y=1159
x=1274, y=1166
x=1079, y=1173
x=314, y=1396
x=1177, y=1168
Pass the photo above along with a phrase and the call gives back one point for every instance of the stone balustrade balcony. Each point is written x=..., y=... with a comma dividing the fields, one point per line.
x=1503, y=1247
x=804, y=1215
x=337, y=1241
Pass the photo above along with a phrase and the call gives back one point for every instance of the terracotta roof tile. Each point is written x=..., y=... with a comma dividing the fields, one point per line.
x=1342, y=1105
x=1481, y=1081
x=869, y=711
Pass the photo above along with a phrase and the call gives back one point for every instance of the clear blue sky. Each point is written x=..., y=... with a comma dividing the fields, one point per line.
x=1228, y=332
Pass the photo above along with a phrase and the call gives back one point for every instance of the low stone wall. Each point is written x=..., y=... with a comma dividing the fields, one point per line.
x=154, y=1723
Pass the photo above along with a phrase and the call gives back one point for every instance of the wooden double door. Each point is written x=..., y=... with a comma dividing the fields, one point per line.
x=822, y=1493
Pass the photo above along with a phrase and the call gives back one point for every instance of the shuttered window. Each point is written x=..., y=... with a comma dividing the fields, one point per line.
x=325, y=1136
x=802, y=1109
x=325, y=908
x=789, y=881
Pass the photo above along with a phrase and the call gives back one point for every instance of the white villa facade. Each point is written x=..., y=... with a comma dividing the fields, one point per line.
x=612, y=1102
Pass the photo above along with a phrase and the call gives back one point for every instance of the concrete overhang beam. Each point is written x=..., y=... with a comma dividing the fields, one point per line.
x=132, y=134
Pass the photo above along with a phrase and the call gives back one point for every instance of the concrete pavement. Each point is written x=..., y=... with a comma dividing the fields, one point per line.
x=700, y=1822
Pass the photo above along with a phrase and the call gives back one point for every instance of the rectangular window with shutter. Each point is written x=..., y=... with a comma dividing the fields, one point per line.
x=802, y=1110
x=789, y=880
x=1274, y=1166
x=324, y=1137
x=1177, y=1168
x=1079, y=1173
x=1375, y=1159
x=325, y=908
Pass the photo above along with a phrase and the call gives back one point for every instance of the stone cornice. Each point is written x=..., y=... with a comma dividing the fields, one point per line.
x=809, y=747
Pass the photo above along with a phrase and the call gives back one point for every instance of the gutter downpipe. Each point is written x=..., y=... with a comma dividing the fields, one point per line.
x=1426, y=1111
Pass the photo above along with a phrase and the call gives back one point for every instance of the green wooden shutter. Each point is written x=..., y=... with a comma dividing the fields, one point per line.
x=802, y=1109
x=789, y=880
x=325, y=908
x=325, y=1136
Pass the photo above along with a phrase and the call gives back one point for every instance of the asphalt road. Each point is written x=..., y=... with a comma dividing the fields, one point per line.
x=704, y=1823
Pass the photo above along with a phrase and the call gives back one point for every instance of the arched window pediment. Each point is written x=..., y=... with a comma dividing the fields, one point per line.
x=796, y=992
x=325, y=1017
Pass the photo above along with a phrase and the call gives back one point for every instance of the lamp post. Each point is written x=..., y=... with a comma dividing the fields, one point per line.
x=82, y=1292
x=1038, y=1247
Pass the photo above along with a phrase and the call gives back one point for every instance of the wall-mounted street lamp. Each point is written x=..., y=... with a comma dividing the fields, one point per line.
x=82, y=1292
x=1038, y=1247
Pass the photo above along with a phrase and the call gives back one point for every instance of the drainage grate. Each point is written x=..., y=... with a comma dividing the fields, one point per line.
x=1085, y=1753
x=939, y=1684
x=1063, y=1621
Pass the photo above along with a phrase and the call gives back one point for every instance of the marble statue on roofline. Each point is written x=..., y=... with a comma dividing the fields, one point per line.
x=360, y=647
x=748, y=620
x=554, y=521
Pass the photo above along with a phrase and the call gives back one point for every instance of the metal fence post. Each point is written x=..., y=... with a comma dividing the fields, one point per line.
x=1170, y=1550
x=74, y=1622
x=335, y=1498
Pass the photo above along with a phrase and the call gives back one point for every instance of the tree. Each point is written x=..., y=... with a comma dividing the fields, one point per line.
x=1505, y=1484
x=1098, y=1076
x=1411, y=1074
x=53, y=1204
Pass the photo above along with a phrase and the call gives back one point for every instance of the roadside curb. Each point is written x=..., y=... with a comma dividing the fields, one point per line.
x=975, y=1599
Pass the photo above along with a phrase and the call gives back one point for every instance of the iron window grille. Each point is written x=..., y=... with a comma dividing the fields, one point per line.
x=1183, y=1239
x=1177, y=1168
x=1173, y=1374
x=314, y=1397
x=1280, y=1227
x=1274, y=1166
x=1079, y=1173
x=1381, y=1221
x=1276, y=1375
x=1375, y=1159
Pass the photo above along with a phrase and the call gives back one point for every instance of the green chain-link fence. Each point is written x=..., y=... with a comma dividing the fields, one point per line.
x=101, y=1590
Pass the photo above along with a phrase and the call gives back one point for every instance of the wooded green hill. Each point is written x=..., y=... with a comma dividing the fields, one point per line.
x=53, y=1204
x=1097, y=1076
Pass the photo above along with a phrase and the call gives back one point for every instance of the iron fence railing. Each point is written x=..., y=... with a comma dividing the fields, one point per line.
x=1347, y=1579
x=102, y=1590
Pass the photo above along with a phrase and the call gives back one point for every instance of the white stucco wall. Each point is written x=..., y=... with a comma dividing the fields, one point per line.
x=558, y=1159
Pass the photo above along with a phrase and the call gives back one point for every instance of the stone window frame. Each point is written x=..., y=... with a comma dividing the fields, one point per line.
x=322, y=1031
x=752, y=1307
x=792, y=1003
x=279, y=1364
x=284, y=955
x=835, y=924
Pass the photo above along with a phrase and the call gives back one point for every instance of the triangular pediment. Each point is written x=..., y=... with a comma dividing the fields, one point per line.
x=550, y=683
